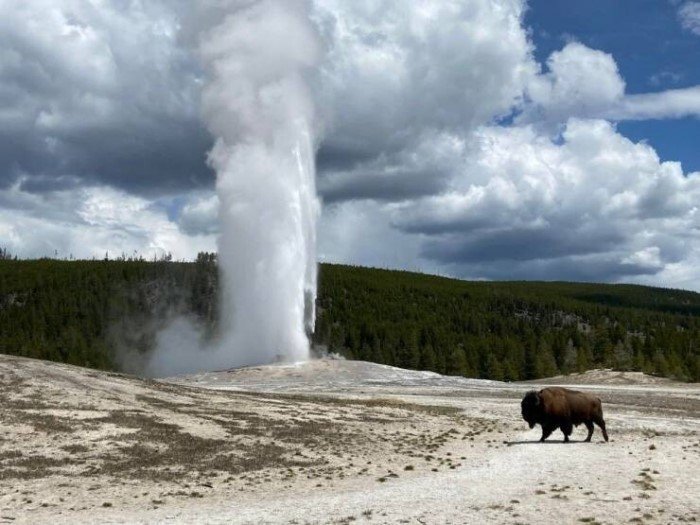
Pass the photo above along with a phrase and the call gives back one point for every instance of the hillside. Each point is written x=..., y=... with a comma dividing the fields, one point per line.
x=507, y=330
x=84, y=312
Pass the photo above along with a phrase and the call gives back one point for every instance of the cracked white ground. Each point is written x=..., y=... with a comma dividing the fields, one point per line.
x=335, y=442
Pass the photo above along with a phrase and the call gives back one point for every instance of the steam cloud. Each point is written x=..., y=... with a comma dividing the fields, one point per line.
x=258, y=105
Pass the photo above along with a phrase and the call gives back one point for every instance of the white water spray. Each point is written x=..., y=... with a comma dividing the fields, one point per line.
x=258, y=106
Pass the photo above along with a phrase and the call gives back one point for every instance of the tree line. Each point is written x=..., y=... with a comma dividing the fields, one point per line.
x=82, y=312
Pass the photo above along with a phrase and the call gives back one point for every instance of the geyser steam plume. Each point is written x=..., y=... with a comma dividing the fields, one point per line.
x=257, y=104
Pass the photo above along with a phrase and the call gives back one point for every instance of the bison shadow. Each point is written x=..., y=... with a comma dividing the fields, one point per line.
x=553, y=442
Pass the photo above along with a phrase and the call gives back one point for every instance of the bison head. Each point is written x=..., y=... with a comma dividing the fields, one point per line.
x=530, y=408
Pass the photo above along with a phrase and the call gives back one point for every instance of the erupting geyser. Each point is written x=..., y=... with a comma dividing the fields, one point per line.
x=257, y=104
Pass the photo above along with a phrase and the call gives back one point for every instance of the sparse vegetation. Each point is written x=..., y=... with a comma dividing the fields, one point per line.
x=277, y=437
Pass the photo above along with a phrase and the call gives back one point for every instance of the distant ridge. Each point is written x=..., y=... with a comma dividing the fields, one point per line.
x=106, y=314
x=511, y=331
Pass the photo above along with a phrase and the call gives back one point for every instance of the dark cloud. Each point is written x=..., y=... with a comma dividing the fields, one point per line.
x=578, y=269
x=47, y=184
x=518, y=244
x=367, y=184
x=141, y=161
x=333, y=157
x=149, y=162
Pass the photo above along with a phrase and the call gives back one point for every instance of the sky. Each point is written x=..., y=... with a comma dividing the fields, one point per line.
x=482, y=139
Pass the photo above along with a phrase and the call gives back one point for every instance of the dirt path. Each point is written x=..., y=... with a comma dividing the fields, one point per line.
x=346, y=443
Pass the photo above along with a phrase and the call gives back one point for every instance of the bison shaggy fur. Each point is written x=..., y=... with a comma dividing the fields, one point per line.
x=556, y=407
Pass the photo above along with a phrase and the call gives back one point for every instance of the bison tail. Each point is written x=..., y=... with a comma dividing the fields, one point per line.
x=598, y=419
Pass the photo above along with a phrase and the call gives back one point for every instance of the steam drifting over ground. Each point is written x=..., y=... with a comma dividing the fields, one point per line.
x=257, y=105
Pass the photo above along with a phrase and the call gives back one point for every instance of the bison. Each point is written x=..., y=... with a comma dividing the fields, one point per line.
x=556, y=407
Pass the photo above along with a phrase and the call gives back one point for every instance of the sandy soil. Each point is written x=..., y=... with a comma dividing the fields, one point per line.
x=335, y=442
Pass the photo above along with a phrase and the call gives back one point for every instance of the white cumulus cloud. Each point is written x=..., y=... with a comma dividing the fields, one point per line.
x=579, y=80
x=689, y=14
x=90, y=222
x=527, y=202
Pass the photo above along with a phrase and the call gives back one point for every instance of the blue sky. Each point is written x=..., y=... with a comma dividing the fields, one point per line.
x=652, y=50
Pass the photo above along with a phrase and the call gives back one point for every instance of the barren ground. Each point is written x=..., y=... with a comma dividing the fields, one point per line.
x=335, y=442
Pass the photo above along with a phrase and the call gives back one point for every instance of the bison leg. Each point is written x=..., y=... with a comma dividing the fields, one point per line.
x=589, y=426
x=601, y=423
x=547, y=431
x=567, y=428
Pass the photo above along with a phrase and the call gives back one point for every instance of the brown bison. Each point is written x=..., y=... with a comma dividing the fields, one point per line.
x=556, y=407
